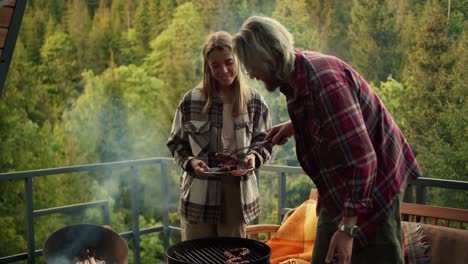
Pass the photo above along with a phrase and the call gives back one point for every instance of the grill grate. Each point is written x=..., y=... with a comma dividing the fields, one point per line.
x=211, y=250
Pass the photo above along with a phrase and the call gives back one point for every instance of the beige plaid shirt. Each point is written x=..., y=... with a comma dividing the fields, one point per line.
x=198, y=135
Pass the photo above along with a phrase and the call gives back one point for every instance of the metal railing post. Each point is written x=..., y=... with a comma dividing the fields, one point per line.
x=105, y=214
x=30, y=219
x=281, y=194
x=420, y=194
x=135, y=215
x=165, y=194
x=408, y=196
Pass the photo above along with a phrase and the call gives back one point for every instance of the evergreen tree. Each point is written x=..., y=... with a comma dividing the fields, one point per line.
x=78, y=24
x=131, y=49
x=294, y=15
x=375, y=40
x=429, y=67
x=59, y=74
x=99, y=44
x=24, y=145
x=56, y=9
x=212, y=13
x=143, y=24
x=33, y=29
x=93, y=5
x=330, y=16
x=437, y=99
x=166, y=9
x=175, y=58
x=239, y=11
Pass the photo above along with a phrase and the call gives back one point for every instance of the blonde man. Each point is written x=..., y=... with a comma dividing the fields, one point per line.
x=346, y=142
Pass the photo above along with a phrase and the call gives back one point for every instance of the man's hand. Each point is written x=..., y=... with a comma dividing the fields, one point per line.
x=341, y=246
x=249, y=161
x=279, y=134
x=199, y=166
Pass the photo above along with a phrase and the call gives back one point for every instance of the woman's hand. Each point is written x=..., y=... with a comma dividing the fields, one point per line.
x=249, y=161
x=279, y=134
x=199, y=166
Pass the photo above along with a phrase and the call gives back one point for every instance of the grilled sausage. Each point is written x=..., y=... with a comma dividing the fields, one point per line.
x=228, y=255
x=244, y=253
x=226, y=159
x=226, y=168
x=236, y=256
x=241, y=252
x=237, y=260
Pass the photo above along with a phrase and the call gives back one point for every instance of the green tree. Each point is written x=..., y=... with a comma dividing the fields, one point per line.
x=393, y=94
x=143, y=24
x=119, y=13
x=78, y=25
x=294, y=15
x=33, y=29
x=131, y=48
x=59, y=74
x=99, y=44
x=438, y=100
x=175, y=58
x=375, y=40
x=330, y=16
x=24, y=145
x=165, y=14
x=239, y=10
x=119, y=111
x=56, y=9
x=212, y=13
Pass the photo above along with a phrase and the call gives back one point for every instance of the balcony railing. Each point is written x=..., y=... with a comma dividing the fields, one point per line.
x=281, y=172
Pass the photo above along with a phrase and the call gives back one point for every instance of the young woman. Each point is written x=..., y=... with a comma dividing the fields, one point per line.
x=220, y=114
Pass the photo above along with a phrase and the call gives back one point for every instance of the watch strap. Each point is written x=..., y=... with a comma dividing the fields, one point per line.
x=348, y=229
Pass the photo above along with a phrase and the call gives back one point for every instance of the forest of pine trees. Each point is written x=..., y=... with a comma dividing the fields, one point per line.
x=96, y=81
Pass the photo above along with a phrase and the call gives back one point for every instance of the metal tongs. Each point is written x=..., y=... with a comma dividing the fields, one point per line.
x=236, y=151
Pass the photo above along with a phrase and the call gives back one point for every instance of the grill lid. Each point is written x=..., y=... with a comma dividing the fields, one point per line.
x=211, y=250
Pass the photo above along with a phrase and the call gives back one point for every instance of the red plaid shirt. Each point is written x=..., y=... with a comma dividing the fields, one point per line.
x=347, y=141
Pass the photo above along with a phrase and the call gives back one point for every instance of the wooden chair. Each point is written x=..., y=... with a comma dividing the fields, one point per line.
x=435, y=215
x=428, y=214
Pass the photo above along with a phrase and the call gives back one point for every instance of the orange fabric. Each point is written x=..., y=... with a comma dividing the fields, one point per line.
x=295, y=237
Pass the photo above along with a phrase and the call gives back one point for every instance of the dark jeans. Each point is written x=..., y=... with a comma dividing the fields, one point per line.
x=387, y=247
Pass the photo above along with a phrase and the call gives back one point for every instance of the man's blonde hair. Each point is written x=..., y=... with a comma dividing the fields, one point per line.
x=222, y=40
x=264, y=43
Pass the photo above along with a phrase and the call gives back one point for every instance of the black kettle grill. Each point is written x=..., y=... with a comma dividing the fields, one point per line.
x=67, y=245
x=211, y=251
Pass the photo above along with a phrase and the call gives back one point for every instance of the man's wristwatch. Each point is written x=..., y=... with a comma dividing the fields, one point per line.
x=349, y=230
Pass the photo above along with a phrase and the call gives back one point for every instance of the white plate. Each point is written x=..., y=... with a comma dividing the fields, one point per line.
x=240, y=172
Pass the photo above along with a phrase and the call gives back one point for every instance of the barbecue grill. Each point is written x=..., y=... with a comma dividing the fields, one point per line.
x=211, y=251
x=66, y=245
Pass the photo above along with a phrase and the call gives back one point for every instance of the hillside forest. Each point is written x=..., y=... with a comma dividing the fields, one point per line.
x=96, y=81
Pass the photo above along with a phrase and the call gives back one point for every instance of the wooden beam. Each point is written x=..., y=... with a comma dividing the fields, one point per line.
x=9, y=47
x=5, y=16
x=435, y=212
x=3, y=36
x=7, y=3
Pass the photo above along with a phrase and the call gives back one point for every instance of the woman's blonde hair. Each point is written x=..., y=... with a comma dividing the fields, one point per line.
x=222, y=40
x=264, y=43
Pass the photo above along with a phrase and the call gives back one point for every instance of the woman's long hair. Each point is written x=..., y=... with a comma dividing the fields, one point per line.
x=222, y=40
x=266, y=44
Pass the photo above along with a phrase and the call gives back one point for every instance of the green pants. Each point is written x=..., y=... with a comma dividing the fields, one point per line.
x=232, y=221
x=387, y=247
